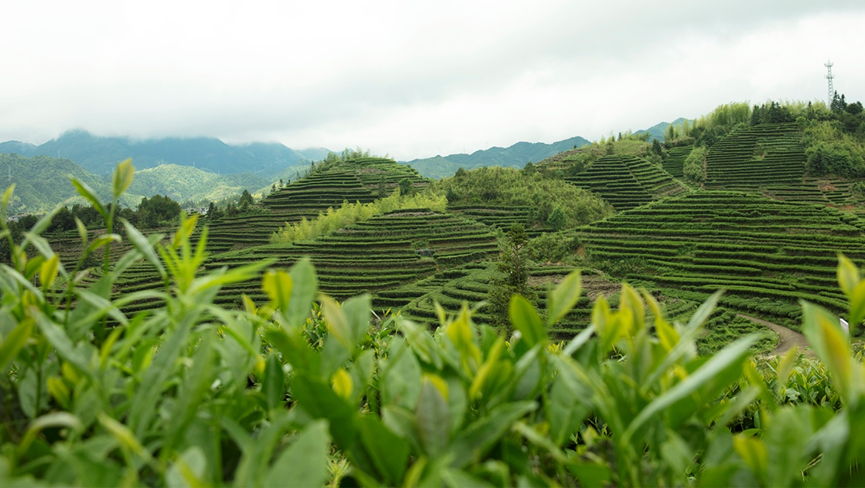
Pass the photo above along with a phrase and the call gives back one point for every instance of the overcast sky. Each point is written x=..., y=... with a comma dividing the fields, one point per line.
x=409, y=78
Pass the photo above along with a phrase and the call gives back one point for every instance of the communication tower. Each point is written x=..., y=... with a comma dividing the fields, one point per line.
x=829, y=77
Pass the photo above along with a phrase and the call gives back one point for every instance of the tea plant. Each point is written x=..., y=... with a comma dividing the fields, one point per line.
x=302, y=390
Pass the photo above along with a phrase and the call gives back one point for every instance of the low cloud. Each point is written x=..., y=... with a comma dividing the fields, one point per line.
x=409, y=79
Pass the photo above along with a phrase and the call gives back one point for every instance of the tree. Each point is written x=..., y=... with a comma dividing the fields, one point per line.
x=382, y=187
x=158, y=210
x=62, y=221
x=513, y=265
x=405, y=187
x=245, y=200
x=557, y=219
x=670, y=134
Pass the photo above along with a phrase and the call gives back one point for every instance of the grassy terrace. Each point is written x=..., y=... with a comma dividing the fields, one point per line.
x=499, y=217
x=356, y=180
x=676, y=160
x=375, y=255
x=627, y=181
x=766, y=253
x=769, y=156
x=473, y=286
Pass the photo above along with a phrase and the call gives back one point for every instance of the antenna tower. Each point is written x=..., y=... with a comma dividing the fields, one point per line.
x=829, y=77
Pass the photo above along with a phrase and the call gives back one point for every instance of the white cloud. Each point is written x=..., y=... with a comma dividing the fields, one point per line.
x=412, y=79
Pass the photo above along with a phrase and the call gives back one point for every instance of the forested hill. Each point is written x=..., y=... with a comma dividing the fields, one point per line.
x=99, y=155
x=515, y=156
x=657, y=131
x=182, y=183
x=42, y=182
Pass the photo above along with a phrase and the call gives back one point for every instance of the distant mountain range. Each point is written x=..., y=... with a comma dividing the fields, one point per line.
x=99, y=155
x=206, y=169
x=657, y=131
x=515, y=156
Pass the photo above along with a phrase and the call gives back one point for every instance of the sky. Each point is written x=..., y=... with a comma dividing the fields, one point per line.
x=409, y=79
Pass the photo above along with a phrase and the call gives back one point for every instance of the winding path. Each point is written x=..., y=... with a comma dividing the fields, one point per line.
x=786, y=338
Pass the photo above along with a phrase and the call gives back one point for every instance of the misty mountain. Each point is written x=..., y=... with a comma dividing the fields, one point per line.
x=42, y=182
x=182, y=183
x=657, y=131
x=99, y=155
x=515, y=156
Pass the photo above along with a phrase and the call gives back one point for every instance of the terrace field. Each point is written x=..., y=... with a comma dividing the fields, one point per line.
x=356, y=180
x=627, y=181
x=766, y=253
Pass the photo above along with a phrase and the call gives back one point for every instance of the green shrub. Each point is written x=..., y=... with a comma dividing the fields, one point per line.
x=294, y=393
x=695, y=163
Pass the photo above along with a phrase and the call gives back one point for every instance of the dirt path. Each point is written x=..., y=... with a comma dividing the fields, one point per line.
x=786, y=338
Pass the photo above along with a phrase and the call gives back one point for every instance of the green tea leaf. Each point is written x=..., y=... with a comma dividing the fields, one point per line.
x=848, y=275
x=525, y=319
x=730, y=356
x=305, y=287
x=85, y=191
x=14, y=342
x=754, y=453
x=478, y=438
x=305, y=461
x=337, y=322
x=832, y=346
x=122, y=178
x=563, y=298
x=144, y=246
x=433, y=416
x=388, y=452
x=400, y=377
x=318, y=399
x=278, y=285
x=55, y=419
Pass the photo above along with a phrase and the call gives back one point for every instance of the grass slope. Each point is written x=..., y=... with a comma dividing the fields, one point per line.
x=627, y=181
x=766, y=253
x=183, y=183
x=42, y=183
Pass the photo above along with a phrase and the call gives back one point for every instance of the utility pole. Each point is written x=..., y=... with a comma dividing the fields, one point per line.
x=829, y=77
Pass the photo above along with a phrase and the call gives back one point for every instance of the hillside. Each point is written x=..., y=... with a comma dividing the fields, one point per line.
x=766, y=253
x=515, y=156
x=182, y=183
x=42, y=182
x=356, y=180
x=656, y=132
x=627, y=181
x=99, y=154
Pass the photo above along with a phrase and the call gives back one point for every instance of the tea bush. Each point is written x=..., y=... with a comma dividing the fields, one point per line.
x=297, y=393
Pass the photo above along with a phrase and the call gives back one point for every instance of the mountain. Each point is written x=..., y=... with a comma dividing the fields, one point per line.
x=515, y=156
x=99, y=155
x=42, y=182
x=657, y=131
x=182, y=183
x=314, y=153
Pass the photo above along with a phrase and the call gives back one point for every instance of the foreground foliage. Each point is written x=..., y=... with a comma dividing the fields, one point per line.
x=299, y=393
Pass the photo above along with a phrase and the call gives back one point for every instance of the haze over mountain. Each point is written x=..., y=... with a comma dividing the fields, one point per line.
x=657, y=131
x=99, y=155
x=515, y=156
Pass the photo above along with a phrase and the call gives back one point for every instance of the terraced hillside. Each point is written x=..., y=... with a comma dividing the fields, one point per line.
x=675, y=161
x=474, y=285
x=767, y=254
x=375, y=255
x=627, y=181
x=765, y=155
x=500, y=217
x=356, y=180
